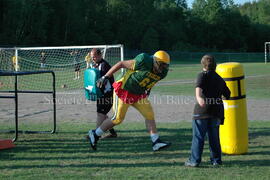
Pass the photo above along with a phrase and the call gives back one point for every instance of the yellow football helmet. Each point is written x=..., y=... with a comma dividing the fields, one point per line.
x=162, y=56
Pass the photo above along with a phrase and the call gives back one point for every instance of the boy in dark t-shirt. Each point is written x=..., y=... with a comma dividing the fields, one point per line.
x=208, y=112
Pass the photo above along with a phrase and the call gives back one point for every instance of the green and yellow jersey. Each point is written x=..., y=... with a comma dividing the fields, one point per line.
x=141, y=77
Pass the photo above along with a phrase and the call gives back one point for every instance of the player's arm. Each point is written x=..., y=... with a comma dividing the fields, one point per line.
x=199, y=88
x=122, y=64
x=199, y=97
x=226, y=92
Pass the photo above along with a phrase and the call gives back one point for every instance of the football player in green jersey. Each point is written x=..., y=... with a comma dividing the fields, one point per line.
x=131, y=89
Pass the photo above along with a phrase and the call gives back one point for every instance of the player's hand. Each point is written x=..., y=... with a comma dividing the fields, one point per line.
x=201, y=102
x=101, y=82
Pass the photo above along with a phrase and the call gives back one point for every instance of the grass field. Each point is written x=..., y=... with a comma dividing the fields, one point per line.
x=66, y=155
x=183, y=78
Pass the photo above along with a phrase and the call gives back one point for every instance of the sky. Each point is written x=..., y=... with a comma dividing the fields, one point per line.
x=235, y=2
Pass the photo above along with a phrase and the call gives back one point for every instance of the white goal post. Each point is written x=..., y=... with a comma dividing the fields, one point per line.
x=57, y=56
x=266, y=52
x=65, y=61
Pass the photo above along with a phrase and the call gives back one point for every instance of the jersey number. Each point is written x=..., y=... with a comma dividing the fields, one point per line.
x=146, y=83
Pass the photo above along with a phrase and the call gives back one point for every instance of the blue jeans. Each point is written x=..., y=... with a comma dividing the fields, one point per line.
x=199, y=129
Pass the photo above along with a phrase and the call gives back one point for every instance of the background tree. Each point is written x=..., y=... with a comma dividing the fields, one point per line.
x=210, y=25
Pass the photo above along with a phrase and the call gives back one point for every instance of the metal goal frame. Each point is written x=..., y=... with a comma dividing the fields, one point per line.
x=266, y=51
x=16, y=91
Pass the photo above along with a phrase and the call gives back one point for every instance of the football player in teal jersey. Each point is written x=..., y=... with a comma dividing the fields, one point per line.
x=131, y=89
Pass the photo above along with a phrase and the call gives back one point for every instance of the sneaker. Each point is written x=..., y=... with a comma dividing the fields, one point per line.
x=216, y=164
x=158, y=144
x=191, y=164
x=93, y=139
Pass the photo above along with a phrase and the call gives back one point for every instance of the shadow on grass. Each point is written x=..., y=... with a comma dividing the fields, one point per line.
x=254, y=163
x=128, y=150
x=236, y=163
x=126, y=142
x=53, y=146
x=256, y=132
x=94, y=165
x=180, y=138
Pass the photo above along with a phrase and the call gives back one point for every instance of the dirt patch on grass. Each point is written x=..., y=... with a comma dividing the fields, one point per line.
x=72, y=107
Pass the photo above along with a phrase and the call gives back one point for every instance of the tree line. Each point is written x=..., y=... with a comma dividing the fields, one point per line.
x=210, y=25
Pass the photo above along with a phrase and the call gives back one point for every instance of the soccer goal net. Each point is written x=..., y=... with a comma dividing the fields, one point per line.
x=67, y=62
x=267, y=52
x=35, y=110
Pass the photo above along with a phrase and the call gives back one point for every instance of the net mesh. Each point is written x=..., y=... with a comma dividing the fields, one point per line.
x=63, y=61
x=36, y=110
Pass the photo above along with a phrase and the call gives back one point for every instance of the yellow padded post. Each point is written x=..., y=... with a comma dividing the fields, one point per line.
x=234, y=132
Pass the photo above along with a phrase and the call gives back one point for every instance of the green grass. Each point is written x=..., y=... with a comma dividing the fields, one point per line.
x=44, y=81
x=66, y=155
x=257, y=80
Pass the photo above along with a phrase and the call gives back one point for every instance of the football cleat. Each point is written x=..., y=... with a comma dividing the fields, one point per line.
x=112, y=134
x=158, y=145
x=108, y=136
x=93, y=138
